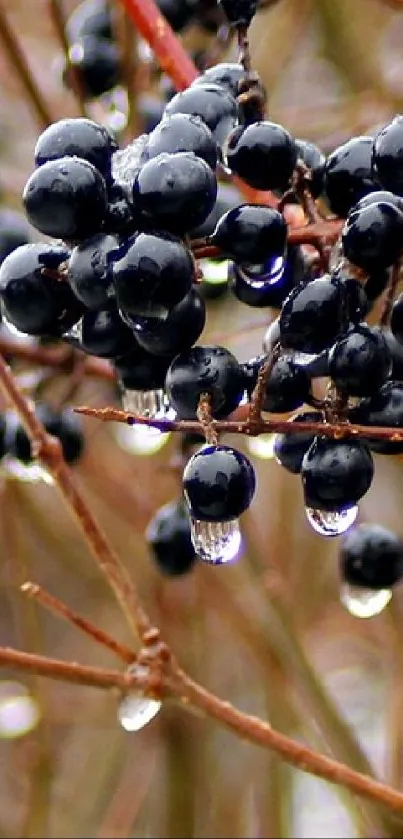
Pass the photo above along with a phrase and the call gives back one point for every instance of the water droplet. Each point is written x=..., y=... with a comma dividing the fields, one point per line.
x=261, y=446
x=136, y=709
x=331, y=523
x=145, y=403
x=364, y=602
x=217, y=542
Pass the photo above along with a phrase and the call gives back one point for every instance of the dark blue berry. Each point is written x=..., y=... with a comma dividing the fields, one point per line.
x=251, y=233
x=348, y=175
x=263, y=154
x=314, y=315
x=371, y=556
x=212, y=370
x=182, y=133
x=360, y=361
x=66, y=199
x=90, y=270
x=336, y=473
x=219, y=483
x=168, y=536
x=77, y=137
x=215, y=105
x=180, y=330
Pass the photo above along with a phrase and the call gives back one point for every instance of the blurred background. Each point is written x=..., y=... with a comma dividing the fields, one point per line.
x=268, y=633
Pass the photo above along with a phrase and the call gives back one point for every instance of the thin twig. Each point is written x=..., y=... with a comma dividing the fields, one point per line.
x=22, y=70
x=255, y=730
x=49, y=451
x=338, y=431
x=67, y=671
x=206, y=420
x=177, y=684
x=49, y=601
x=57, y=357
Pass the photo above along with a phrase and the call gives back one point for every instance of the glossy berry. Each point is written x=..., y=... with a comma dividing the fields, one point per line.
x=215, y=105
x=384, y=408
x=219, y=483
x=212, y=370
x=251, y=233
x=371, y=556
x=140, y=370
x=33, y=300
x=336, y=473
x=14, y=232
x=97, y=62
x=380, y=196
x=348, y=175
x=315, y=160
x=360, y=362
x=182, y=133
x=180, y=330
x=77, y=137
x=314, y=315
x=226, y=75
x=153, y=275
x=263, y=154
x=175, y=191
x=92, y=17
x=89, y=270
x=396, y=320
x=387, y=156
x=239, y=12
x=102, y=333
x=372, y=237
x=168, y=536
x=66, y=199
x=287, y=387
x=268, y=284
x=289, y=449
x=65, y=425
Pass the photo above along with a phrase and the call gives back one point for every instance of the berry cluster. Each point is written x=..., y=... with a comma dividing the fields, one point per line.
x=120, y=280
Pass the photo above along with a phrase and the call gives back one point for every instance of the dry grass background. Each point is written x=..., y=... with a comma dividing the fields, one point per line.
x=332, y=68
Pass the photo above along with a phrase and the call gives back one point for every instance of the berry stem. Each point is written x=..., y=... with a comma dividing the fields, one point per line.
x=244, y=52
x=53, y=604
x=336, y=430
x=66, y=671
x=20, y=65
x=206, y=421
x=48, y=449
x=257, y=398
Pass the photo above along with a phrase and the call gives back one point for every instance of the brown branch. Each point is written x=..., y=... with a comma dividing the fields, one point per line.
x=302, y=757
x=23, y=72
x=70, y=671
x=176, y=683
x=53, y=604
x=336, y=430
x=49, y=451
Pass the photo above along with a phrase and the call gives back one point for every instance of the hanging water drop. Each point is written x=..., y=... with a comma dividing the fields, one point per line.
x=26, y=472
x=364, y=602
x=331, y=522
x=217, y=542
x=135, y=709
